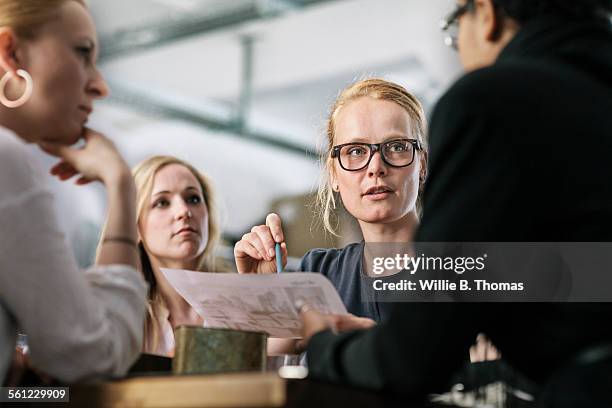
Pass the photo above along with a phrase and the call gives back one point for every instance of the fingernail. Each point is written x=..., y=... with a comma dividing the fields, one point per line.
x=271, y=252
x=278, y=238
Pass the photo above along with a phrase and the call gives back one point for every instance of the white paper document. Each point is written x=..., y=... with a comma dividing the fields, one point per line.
x=255, y=302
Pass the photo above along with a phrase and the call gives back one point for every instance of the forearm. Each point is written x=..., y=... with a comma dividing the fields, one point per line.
x=120, y=233
x=334, y=358
x=412, y=353
x=102, y=337
x=94, y=328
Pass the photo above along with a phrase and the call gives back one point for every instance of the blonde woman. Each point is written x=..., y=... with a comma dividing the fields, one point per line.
x=80, y=325
x=375, y=164
x=177, y=228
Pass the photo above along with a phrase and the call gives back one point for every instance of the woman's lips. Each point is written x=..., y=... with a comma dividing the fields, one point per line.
x=86, y=109
x=378, y=196
x=186, y=231
x=377, y=193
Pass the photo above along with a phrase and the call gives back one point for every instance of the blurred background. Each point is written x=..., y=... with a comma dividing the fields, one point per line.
x=241, y=89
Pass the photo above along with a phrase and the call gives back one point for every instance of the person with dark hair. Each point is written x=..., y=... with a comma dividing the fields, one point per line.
x=523, y=11
x=519, y=152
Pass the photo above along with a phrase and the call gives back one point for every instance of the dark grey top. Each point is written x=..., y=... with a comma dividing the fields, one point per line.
x=343, y=267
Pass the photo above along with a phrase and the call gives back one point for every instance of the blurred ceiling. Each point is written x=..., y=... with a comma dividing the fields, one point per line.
x=241, y=88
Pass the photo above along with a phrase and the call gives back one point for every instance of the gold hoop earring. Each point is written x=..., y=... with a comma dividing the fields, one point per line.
x=26, y=94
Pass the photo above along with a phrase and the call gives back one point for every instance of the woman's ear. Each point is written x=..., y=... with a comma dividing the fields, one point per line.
x=333, y=180
x=423, y=169
x=139, y=239
x=8, y=50
x=488, y=21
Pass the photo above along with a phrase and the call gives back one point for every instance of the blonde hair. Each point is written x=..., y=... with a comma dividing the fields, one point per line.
x=144, y=175
x=26, y=17
x=373, y=88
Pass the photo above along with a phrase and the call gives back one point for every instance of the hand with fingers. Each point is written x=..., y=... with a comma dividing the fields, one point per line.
x=255, y=252
x=346, y=322
x=314, y=322
x=97, y=160
x=483, y=350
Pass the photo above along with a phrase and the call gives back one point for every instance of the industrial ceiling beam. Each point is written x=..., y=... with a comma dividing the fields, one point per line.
x=153, y=35
x=246, y=91
x=148, y=104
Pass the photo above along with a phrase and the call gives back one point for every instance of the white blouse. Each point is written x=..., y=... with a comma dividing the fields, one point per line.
x=80, y=325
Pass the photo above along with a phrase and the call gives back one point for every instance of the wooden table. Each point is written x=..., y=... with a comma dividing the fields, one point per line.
x=223, y=390
x=152, y=385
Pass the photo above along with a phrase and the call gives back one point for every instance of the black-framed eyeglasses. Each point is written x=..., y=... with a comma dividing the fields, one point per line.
x=395, y=153
x=450, y=25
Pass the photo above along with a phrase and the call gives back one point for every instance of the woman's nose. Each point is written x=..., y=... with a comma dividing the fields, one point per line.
x=377, y=166
x=183, y=211
x=97, y=86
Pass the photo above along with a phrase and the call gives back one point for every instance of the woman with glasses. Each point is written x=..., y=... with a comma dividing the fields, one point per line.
x=375, y=165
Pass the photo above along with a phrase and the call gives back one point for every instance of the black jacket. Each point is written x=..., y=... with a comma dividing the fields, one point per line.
x=519, y=151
